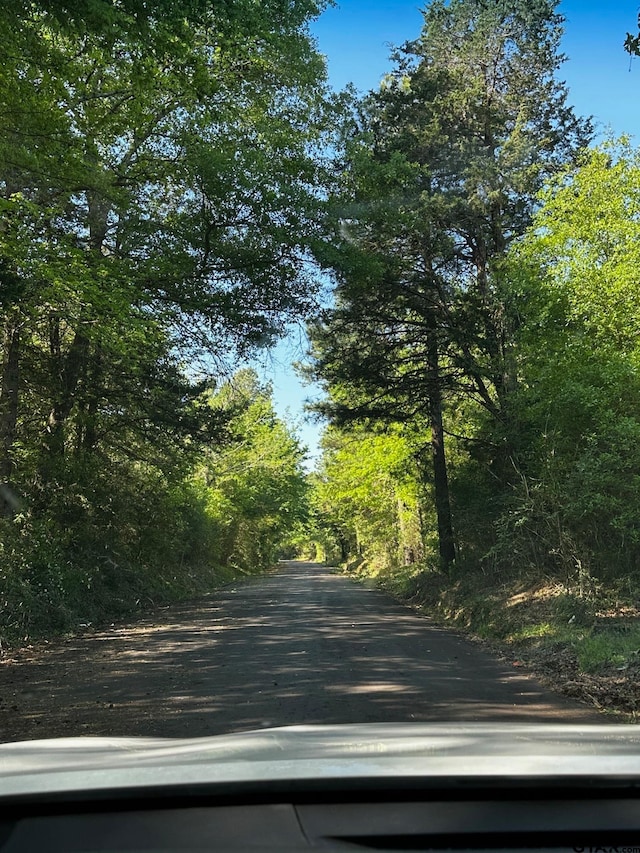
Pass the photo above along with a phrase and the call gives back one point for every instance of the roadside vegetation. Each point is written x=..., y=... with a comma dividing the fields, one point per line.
x=131, y=538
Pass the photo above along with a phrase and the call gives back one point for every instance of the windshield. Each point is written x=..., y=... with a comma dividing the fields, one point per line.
x=319, y=390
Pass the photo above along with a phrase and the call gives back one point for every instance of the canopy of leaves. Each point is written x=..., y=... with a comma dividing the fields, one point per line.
x=163, y=171
x=442, y=175
x=257, y=487
x=367, y=496
x=572, y=284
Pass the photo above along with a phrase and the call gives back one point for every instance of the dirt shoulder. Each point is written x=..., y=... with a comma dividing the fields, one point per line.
x=582, y=645
x=614, y=690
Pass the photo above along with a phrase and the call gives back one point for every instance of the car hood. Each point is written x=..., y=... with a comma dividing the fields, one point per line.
x=307, y=753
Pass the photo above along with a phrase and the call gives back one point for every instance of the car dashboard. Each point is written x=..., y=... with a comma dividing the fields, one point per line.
x=431, y=787
x=462, y=814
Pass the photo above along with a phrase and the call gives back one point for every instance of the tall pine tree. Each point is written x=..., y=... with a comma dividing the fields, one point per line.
x=442, y=174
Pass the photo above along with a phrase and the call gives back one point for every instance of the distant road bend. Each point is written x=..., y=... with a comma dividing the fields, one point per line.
x=302, y=645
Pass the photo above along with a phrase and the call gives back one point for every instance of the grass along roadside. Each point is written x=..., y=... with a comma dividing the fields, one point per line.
x=583, y=643
x=31, y=613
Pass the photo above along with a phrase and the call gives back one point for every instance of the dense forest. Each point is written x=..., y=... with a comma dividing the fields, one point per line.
x=177, y=184
x=160, y=205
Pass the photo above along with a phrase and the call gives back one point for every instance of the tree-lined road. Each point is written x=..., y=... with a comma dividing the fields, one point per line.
x=302, y=645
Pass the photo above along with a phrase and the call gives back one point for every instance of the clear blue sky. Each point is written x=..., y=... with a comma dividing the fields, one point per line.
x=356, y=37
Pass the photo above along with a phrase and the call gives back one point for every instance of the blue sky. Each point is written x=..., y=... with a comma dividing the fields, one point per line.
x=356, y=36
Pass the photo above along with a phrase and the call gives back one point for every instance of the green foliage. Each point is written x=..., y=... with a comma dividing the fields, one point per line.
x=366, y=499
x=444, y=164
x=597, y=652
x=158, y=203
x=551, y=486
x=575, y=426
x=255, y=487
x=161, y=195
x=109, y=542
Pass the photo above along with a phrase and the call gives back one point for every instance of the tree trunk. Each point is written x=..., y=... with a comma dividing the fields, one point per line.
x=446, y=542
x=344, y=548
x=66, y=372
x=90, y=382
x=9, y=396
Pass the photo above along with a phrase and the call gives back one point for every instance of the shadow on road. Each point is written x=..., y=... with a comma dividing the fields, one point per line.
x=300, y=646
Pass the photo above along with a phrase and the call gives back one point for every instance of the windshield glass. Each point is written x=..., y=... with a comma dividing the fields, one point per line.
x=319, y=394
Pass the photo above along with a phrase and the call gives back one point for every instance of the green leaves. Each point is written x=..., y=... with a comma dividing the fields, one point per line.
x=585, y=246
x=157, y=182
x=367, y=498
x=573, y=280
x=161, y=197
x=256, y=485
x=443, y=174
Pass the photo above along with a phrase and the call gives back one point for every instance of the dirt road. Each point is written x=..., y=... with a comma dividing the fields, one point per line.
x=302, y=645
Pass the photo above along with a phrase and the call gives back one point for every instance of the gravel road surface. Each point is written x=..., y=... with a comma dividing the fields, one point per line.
x=301, y=645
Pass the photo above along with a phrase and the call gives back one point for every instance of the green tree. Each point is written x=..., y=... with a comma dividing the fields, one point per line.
x=161, y=196
x=574, y=278
x=367, y=498
x=256, y=484
x=159, y=203
x=442, y=175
